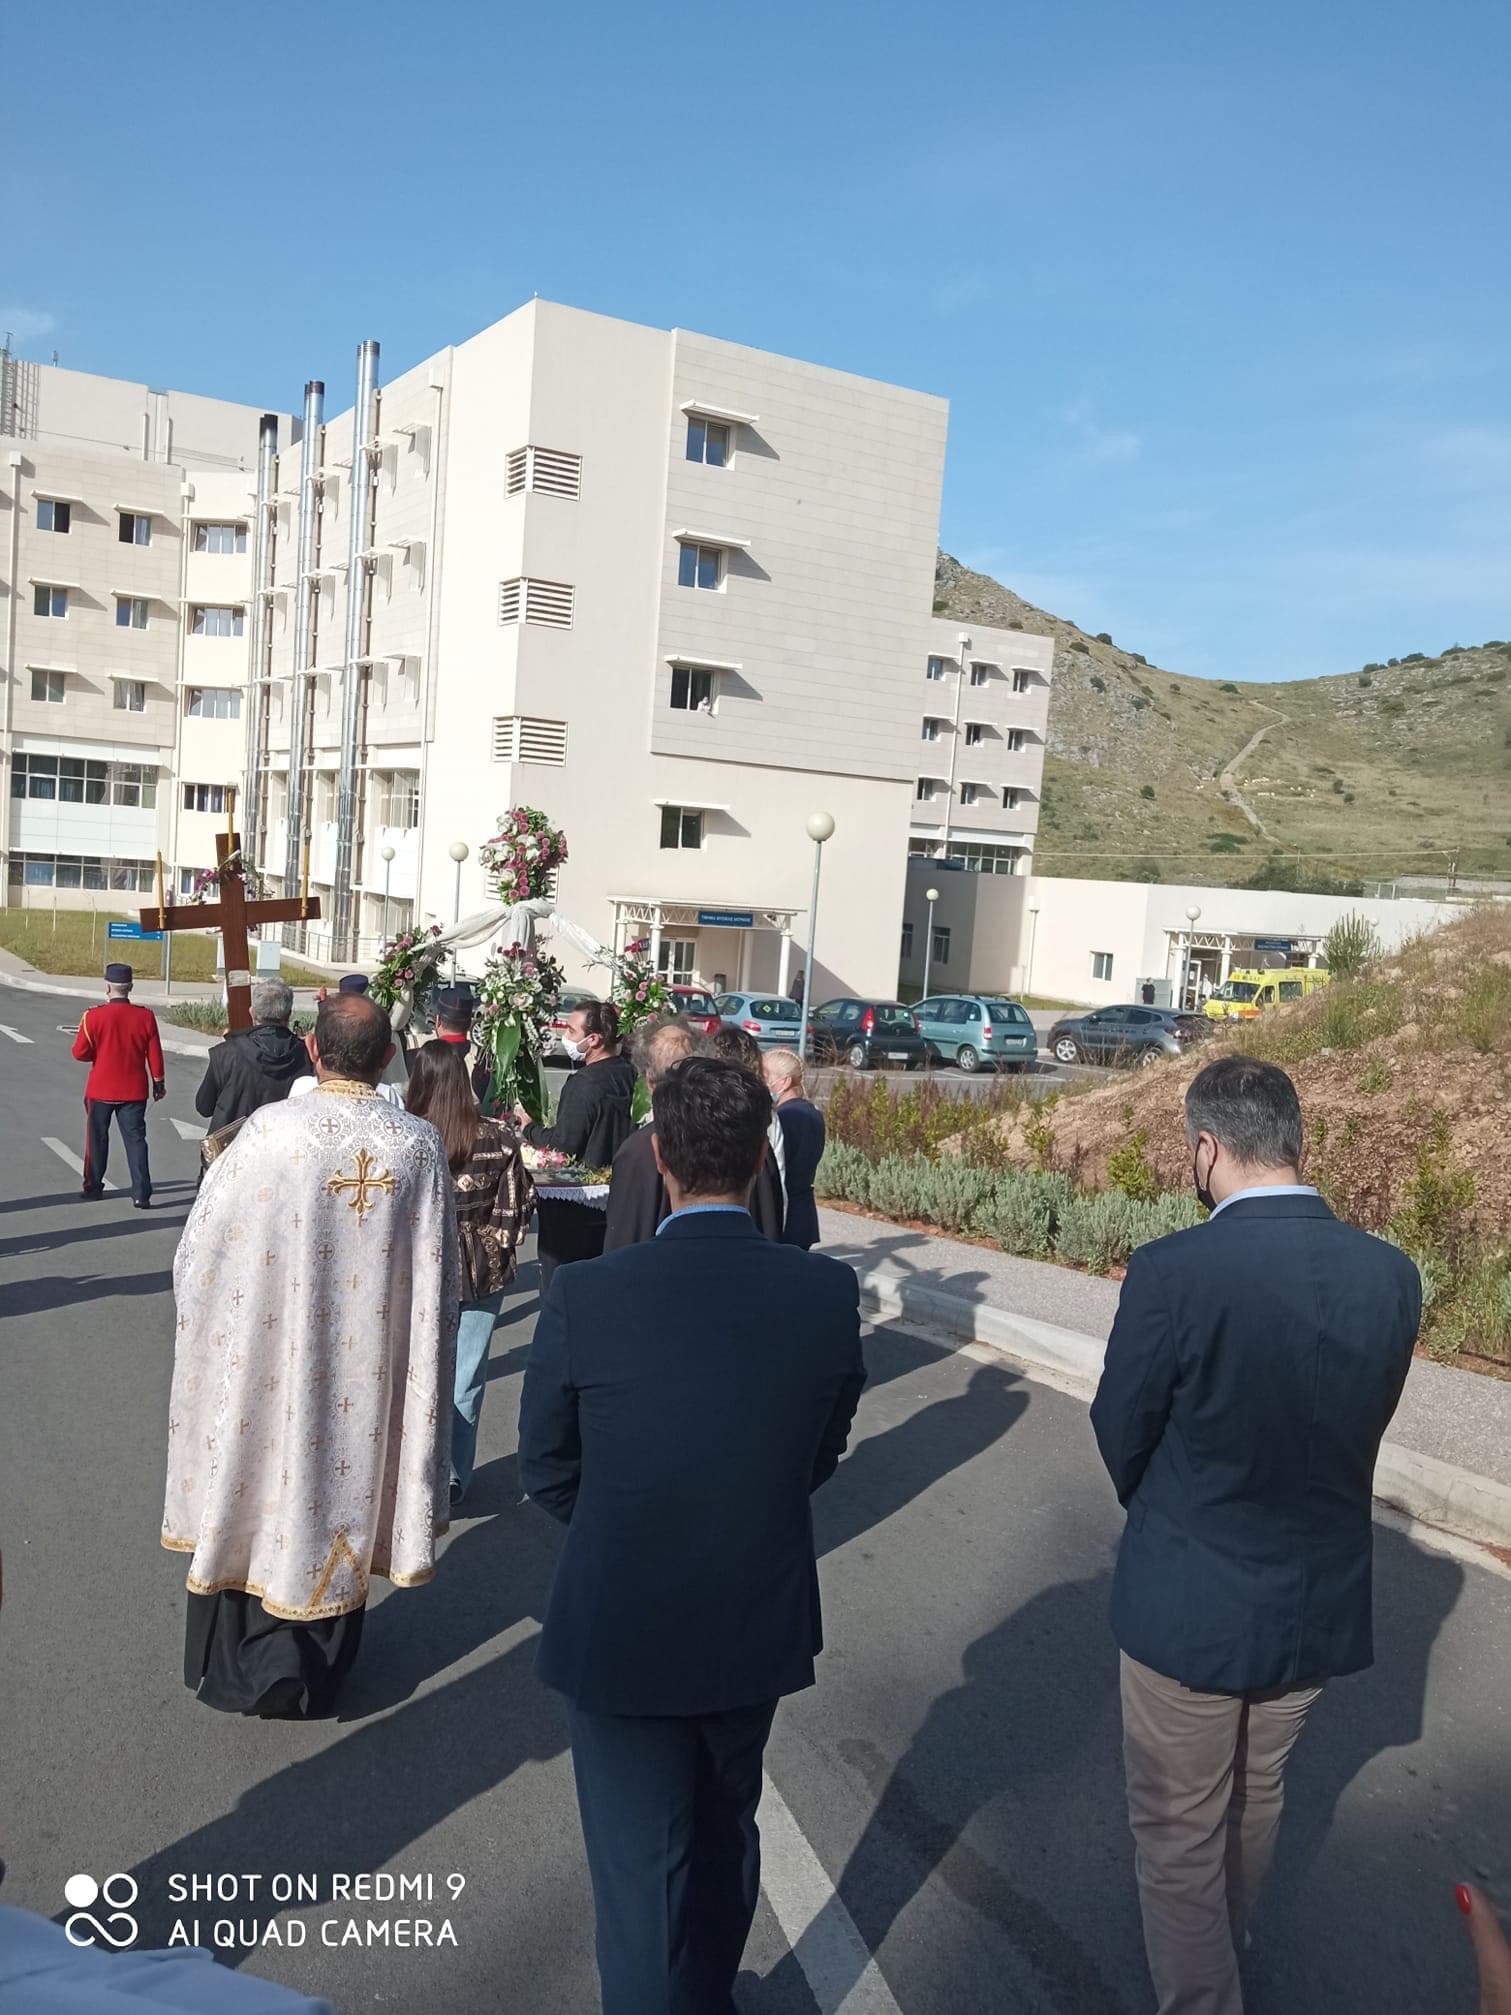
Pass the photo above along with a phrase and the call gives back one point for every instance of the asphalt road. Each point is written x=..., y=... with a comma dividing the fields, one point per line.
x=946, y=1828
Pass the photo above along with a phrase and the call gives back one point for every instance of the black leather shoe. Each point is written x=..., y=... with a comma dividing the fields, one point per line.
x=90, y=1195
x=137, y=1204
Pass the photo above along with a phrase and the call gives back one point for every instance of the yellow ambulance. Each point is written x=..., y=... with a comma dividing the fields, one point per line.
x=1245, y=994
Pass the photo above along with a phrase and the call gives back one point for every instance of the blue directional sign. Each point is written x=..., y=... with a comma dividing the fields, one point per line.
x=133, y=931
x=737, y=920
x=1272, y=944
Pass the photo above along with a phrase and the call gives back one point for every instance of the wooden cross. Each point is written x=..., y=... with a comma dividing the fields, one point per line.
x=230, y=916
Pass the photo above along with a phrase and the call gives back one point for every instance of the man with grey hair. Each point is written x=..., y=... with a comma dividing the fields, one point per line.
x=254, y=1066
x=1252, y=1370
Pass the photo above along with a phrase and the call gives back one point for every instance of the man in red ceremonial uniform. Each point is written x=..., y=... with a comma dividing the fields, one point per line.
x=121, y=1044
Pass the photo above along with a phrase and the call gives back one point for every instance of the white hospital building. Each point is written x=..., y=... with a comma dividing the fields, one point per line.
x=674, y=591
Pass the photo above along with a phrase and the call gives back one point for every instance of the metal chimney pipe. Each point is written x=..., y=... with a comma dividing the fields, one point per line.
x=304, y=641
x=251, y=807
x=365, y=452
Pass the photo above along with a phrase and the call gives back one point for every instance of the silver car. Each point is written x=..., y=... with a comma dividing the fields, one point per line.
x=775, y=1023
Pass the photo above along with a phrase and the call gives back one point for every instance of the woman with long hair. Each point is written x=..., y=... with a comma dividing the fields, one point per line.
x=494, y=1201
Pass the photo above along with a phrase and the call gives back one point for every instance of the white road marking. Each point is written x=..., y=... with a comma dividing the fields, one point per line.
x=14, y=1033
x=841, y=1973
x=186, y=1130
x=67, y=1154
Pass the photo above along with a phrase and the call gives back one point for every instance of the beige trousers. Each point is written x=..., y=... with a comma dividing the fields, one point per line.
x=1204, y=1795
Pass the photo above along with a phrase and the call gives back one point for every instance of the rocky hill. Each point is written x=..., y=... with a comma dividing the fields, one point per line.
x=1389, y=771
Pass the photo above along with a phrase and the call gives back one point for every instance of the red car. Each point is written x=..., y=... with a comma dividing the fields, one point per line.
x=696, y=1006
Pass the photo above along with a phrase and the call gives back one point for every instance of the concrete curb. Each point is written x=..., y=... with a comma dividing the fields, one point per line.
x=172, y=1046
x=1437, y=1493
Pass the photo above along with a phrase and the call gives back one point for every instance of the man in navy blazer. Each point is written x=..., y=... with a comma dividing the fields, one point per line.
x=683, y=1399
x=1252, y=1370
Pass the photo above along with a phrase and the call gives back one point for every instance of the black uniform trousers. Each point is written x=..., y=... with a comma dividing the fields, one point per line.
x=668, y=1809
x=131, y=1118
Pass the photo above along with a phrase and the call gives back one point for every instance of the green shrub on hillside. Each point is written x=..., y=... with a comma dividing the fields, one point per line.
x=1484, y=1011
x=1227, y=686
x=1130, y=1169
x=1351, y=945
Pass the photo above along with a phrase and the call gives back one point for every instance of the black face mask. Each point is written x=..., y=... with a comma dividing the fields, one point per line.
x=1203, y=1192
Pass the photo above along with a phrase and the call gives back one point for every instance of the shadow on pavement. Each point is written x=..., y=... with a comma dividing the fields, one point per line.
x=1011, y=1795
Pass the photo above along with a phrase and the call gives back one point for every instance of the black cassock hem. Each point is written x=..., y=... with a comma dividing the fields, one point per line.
x=241, y=1659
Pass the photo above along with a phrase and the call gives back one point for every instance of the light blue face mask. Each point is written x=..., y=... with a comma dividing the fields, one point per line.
x=574, y=1049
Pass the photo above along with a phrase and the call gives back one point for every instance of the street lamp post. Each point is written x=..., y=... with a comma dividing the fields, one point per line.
x=820, y=828
x=931, y=896
x=1033, y=938
x=1192, y=916
x=386, y=855
x=458, y=851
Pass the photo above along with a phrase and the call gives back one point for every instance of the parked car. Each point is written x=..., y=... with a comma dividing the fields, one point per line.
x=774, y=1022
x=1125, y=1035
x=1244, y=994
x=864, y=1033
x=973, y=1029
x=695, y=1005
x=571, y=999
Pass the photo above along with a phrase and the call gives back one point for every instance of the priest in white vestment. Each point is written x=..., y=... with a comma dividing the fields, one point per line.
x=318, y=1287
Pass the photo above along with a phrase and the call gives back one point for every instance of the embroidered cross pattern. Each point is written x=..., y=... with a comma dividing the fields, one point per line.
x=368, y=1179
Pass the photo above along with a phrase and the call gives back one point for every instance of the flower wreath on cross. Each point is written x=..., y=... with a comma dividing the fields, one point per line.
x=206, y=885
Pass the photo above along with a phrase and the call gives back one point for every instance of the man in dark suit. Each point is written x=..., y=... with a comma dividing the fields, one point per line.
x=683, y=1398
x=637, y=1205
x=1252, y=1370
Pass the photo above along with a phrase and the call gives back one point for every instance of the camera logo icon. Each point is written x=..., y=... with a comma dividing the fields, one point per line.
x=118, y=1892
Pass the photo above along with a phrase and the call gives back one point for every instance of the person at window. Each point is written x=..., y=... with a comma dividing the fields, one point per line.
x=593, y=1121
x=802, y=1127
x=494, y=1200
x=254, y=1066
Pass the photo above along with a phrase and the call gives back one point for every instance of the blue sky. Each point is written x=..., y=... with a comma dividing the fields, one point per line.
x=1220, y=296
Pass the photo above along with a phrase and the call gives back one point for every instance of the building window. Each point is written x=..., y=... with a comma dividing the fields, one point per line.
x=969, y=793
x=398, y=798
x=547, y=603
x=551, y=472
x=907, y=941
x=681, y=826
x=135, y=528
x=980, y=674
x=1017, y=741
x=941, y=944
x=1010, y=798
x=936, y=668
x=134, y=784
x=53, y=515
x=74, y=780
x=220, y=538
x=699, y=566
x=213, y=622
x=48, y=686
x=708, y=441
x=974, y=731
x=213, y=703
x=74, y=871
x=1021, y=680
x=1101, y=965
x=925, y=791
x=131, y=612
x=204, y=797
x=692, y=689
x=129, y=696
x=923, y=849
x=48, y=601
x=930, y=728
x=984, y=858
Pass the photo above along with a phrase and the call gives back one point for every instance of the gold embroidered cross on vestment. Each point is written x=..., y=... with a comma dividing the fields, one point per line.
x=369, y=1177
